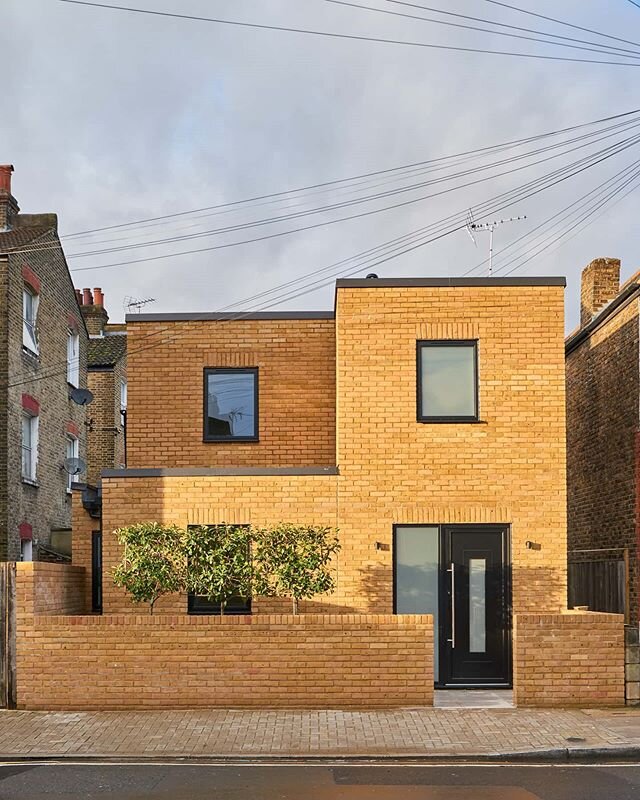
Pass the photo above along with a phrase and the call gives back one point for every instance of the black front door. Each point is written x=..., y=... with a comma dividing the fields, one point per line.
x=475, y=606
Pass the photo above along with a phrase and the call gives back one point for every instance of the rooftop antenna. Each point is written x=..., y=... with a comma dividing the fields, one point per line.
x=488, y=226
x=131, y=303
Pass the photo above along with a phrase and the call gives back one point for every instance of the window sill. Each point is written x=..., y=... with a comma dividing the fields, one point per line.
x=232, y=440
x=27, y=351
x=452, y=421
x=30, y=482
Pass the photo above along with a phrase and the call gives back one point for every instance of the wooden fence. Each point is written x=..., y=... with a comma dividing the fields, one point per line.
x=7, y=635
x=599, y=579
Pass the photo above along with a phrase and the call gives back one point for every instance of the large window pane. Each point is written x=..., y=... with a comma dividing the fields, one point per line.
x=416, y=578
x=447, y=376
x=231, y=401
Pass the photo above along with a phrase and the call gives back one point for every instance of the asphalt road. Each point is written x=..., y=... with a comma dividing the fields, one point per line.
x=331, y=782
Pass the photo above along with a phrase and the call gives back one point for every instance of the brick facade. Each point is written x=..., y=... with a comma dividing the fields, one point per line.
x=30, y=253
x=603, y=398
x=571, y=659
x=107, y=371
x=176, y=661
x=296, y=363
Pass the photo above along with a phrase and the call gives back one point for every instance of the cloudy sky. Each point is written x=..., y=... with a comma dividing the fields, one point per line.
x=112, y=117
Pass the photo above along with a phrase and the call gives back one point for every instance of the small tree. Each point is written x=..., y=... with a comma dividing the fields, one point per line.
x=153, y=561
x=219, y=562
x=293, y=561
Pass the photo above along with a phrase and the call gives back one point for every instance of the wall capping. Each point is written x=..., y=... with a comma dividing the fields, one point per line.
x=196, y=472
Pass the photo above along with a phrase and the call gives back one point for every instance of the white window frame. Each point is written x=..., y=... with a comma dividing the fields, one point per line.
x=72, y=446
x=30, y=304
x=123, y=402
x=30, y=450
x=73, y=358
x=26, y=550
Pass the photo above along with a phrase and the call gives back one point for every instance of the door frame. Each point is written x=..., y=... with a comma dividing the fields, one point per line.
x=443, y=576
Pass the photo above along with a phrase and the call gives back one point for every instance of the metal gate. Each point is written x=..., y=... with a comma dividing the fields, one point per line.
x=7, y=635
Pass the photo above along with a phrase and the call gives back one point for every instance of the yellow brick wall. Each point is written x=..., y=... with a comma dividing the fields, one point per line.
x=296, y=363
x=509, y=468
x=177, y=661
x=570, y=659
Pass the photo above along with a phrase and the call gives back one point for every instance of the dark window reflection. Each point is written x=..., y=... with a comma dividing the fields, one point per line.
x=231, y=404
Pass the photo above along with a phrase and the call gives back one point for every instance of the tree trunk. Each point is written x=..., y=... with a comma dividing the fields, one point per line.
x=295, y=605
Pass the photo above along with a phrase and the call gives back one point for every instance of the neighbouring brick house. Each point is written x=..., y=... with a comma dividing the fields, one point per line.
x=107, y=380
x=603, y=446
x=424, y=418
x=43, y=347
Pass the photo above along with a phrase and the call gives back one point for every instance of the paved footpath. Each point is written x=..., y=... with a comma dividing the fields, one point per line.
x=427, y=732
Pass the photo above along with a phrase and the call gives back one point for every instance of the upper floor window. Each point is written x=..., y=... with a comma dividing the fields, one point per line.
x=123, y=403
x=72, y=451
x=231, y=405
x=29, y=446
x=447, y=381
x=30, y=301
x=73, y=358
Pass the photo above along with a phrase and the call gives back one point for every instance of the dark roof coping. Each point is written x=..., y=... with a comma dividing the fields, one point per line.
x=392, y=283
x=219, y=316
x=190, y=472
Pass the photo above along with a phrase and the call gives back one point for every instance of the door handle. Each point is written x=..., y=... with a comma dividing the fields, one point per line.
x=452, y=570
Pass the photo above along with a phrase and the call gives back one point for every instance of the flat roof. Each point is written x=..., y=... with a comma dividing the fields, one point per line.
x=392, y=283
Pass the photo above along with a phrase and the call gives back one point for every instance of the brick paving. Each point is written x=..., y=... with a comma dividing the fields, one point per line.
x=226, y=732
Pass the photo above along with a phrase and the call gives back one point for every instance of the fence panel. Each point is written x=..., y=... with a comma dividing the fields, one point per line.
x=7, y=635
x=600, y=585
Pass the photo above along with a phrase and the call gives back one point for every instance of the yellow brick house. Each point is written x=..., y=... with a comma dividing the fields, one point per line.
x=424, y=418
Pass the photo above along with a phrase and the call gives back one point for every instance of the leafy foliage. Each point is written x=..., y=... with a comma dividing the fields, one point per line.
x=219, y=563
x=153, y=563
x=294, y=561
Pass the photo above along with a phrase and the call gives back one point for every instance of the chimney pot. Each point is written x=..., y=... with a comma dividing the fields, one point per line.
x=98, y=297
x=599, y=285
x=9, y=208
x=87, y=299
x=79, y=296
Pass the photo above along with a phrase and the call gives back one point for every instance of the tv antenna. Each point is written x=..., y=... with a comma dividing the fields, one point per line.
x=472, y=226
x=136, y=303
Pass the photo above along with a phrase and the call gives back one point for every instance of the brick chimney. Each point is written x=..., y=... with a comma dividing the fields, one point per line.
x=93, y=310
x=8, y=203
x=600, y=284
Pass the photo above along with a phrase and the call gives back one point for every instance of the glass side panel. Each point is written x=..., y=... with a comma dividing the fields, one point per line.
x=417, y=556
x=477, y=605
x=448, y=381
x=231, y=404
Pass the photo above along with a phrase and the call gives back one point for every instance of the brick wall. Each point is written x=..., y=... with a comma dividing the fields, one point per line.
x=177, y=661
x=83, y=527
x=603, y=387
x=48, y=589
x=296, y=362
x=570, y=659
x=508, y=468
x=46, y=506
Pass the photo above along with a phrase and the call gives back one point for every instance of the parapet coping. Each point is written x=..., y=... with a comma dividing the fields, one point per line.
x=221, y=316
x=392, y=283
x=196, y=472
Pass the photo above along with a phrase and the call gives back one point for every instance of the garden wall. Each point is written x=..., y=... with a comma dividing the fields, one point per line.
x=570, y=659
x=176, y=661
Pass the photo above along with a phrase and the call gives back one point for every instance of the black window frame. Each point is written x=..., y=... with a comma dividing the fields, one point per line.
x=230, y=371
x=438, y=418
x=199, y=605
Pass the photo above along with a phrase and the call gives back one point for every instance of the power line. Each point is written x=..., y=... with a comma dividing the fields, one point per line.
x=245, y=226
x=633, y=3
x=560, y=22
x=354, y=37
x=601, y=48
x=415, y=164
